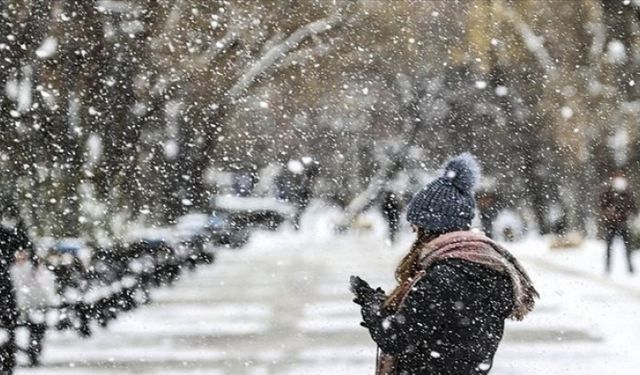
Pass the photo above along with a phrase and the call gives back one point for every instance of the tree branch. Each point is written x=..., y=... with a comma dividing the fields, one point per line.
x=217, y=48
x=302, y=56
x=408, y=99
x=596, y=27
x=280, y=50
x=533, y=42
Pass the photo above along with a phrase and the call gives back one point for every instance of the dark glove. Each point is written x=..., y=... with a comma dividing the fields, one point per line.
x=362, y=290
x=371, y=300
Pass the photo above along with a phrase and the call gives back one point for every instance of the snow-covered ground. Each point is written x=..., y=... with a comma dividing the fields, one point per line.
x=281, y=306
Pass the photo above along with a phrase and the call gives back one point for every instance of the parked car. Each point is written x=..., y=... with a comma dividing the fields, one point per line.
x=68, y=259
x=262, y=212
x=192, y=237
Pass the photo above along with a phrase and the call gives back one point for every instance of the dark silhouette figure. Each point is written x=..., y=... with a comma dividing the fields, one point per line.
x=617, y=204
x=13, y=237
x=8, y=307
x=37, y=332
x=487, y=202
x=243, y=183
x=295, y=185
x=391, y=212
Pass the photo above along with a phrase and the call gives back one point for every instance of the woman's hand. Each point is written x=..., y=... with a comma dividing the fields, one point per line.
x=371, y=300
x=362, y=290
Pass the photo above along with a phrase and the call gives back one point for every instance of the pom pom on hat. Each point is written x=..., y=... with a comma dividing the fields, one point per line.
x=462, y=172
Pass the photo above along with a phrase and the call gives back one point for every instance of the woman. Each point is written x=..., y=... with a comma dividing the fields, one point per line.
x=455, y=287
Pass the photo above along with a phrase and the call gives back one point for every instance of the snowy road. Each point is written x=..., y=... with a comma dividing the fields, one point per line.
x=281, y=306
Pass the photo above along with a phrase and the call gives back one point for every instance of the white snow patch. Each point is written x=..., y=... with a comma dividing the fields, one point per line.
x=332, y=353
x=233, y=203
x=333, y=324
x=566, y=112
x=481, y=85
x=4, y=336
x=94, y=145
x=502, y=91
x=11, y=88
x=47, y=48
x=329, y=308
x=171, y=149
x=616, y=52
x=295, y=166
x=24, y=91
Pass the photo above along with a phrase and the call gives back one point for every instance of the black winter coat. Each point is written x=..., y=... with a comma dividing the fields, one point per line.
x=616, y=207
x=450, y=323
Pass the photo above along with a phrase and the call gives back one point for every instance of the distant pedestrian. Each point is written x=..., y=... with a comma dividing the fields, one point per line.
x=243, y=183
x=295, y=185
x=617, y=205
x=487, y=200
x=455, y=287
x=390, y=205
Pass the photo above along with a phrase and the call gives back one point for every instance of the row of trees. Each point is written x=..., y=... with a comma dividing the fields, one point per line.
x=115, y=109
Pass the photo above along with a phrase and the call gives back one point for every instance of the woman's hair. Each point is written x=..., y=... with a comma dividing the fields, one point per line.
x=409, y=266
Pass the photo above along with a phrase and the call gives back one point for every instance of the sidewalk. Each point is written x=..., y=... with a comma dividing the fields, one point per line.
x=585, y=323
x=281, y=306
x=586, y=260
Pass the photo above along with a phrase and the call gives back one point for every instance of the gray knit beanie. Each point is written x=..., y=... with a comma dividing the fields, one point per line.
x=447, y=203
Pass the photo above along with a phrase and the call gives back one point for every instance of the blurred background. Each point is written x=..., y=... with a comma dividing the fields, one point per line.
x=222, y=119
x=136, y=106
